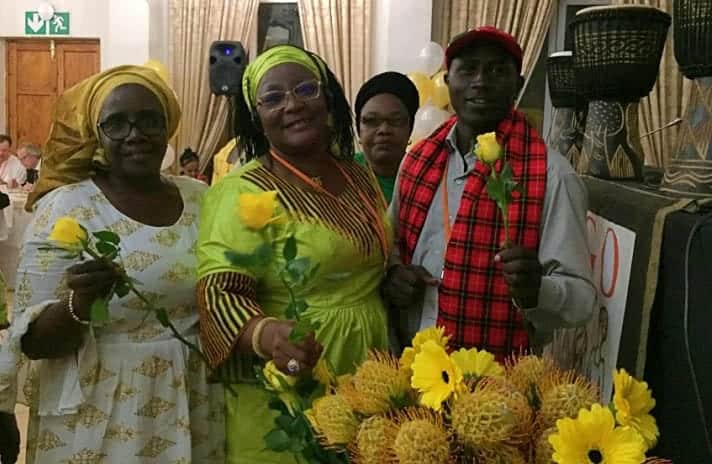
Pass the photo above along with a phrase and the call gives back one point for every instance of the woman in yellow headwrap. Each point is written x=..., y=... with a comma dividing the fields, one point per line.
x=127, y=391
x=296, y=128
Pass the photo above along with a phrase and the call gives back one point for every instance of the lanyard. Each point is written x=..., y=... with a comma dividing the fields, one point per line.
x=375, y=219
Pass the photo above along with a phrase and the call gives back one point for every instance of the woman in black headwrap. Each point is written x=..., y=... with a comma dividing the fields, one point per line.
x=385, y=112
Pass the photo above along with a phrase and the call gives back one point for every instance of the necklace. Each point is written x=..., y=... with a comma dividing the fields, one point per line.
x=375, y=219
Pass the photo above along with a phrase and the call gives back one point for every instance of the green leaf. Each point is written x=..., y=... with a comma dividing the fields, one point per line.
x=495, y=190
x=277, y=440
x=122, y=289
x=300, y=331
x=263, y=254
x=313, y=271
x=297, y=270
x=290, y=248
x=295, y=309
x=162, y=316
x=241, y=259
x=99, y=311
x=107, y=250
x=284, y=422
x=506, y=175
x=107, y=236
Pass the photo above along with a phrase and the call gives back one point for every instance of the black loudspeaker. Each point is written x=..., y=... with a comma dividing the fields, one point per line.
x=228, y=61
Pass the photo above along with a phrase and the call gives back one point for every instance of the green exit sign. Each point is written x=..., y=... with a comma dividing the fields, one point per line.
x=57, y=25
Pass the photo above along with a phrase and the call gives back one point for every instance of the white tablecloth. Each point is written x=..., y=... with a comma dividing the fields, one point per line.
x=13, y=222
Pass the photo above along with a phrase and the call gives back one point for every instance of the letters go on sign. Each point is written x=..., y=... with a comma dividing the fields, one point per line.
x=57, y=25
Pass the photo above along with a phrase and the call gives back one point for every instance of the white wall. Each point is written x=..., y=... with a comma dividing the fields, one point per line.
x=401, y=28
x=122, y=27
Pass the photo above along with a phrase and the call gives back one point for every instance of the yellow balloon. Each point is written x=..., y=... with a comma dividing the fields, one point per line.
x=441, y=95
x=424, y=86
x=160, y=69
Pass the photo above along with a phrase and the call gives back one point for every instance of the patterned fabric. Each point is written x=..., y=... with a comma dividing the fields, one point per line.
x=343, y=295
x=474, y=304
x=132, y=393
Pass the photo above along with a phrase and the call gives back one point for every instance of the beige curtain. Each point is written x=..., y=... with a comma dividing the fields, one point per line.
x=666, y=102
x=340, y=32
x=527, y=20
x=194, y=25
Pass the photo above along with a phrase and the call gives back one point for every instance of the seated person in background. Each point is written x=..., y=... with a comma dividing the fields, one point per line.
x=12, y=172
x=30, y=155
x=190, y=165
x=225, y=160
x=385, y=113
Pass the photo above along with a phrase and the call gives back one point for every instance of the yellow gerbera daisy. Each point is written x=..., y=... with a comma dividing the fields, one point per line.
x=435, y=375
x=436, y=334
x=593, y=438
x=474, y=363
x=633, y=402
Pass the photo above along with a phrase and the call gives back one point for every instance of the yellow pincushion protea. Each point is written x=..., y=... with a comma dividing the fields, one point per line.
x=333, y=420
x=499, y=454
x=516, y=402
x=483, y=418
x=633, y=402
x=593, y=438
x=543, y=449
x=421, y=438
x=564, y=395
x=374, y=441
x=378, y=385
x=525, y=372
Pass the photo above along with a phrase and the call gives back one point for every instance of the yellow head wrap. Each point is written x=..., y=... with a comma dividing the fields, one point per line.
x=73, y=148
x=275, y=56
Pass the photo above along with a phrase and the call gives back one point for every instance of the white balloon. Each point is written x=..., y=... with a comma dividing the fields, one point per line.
x=46, y=11
x=430, y=59
x=428, y=118
x=168, y=158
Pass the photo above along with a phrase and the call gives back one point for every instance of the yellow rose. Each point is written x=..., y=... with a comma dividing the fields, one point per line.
x=257, y=210
x=488, y=149
x=278, y=381
x=68, y=233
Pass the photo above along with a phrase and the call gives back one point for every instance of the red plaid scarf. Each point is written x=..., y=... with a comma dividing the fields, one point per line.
x=474, y=305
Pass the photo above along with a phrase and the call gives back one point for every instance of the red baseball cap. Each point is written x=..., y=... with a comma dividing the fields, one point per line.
x=484, y=35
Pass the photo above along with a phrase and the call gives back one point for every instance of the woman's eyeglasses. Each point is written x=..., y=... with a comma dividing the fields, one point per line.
x=277, y=99
x=118, y=126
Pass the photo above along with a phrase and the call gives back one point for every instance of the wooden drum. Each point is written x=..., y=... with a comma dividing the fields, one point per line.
x=690, y=171
x=617, y=52
x=566, y=133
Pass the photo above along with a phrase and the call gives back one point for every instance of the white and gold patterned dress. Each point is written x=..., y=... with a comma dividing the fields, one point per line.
x=132, y=393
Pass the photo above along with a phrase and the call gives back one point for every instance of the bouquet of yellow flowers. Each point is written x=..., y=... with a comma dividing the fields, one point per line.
x=432, y=406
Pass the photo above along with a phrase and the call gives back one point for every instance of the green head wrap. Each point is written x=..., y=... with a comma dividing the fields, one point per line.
x=275, y=56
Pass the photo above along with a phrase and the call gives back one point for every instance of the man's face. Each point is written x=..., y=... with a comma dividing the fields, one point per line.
x=483, y=82
x=4, y=151
x=29, y=161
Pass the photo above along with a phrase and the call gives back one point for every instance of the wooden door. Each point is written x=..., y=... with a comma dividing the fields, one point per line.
x=38, y=70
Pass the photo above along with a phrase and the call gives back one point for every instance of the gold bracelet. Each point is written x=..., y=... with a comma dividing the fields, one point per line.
x=70, y=308
x=257, y=334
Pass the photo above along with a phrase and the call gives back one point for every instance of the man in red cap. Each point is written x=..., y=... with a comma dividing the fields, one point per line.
x=450, y=267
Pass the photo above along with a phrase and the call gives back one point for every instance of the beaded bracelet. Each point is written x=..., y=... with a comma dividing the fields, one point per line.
x=70, y=308
x=257, y=335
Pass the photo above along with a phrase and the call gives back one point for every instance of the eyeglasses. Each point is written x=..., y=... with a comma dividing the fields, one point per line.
x=277, y=99
x=118, y=126
x=373, y=122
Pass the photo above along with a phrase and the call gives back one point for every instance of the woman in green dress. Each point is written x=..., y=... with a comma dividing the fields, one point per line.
x=296, y=128
x=385, y=113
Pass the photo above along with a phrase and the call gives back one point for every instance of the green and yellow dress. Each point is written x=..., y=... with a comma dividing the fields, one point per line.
x=343, y=296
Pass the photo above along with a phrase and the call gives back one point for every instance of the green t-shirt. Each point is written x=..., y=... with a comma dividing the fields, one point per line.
x=387, y=183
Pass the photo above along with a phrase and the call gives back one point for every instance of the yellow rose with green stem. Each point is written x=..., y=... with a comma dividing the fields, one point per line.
x=500, y=186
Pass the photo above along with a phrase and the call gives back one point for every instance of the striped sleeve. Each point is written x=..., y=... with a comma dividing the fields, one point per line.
x=226, y=301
